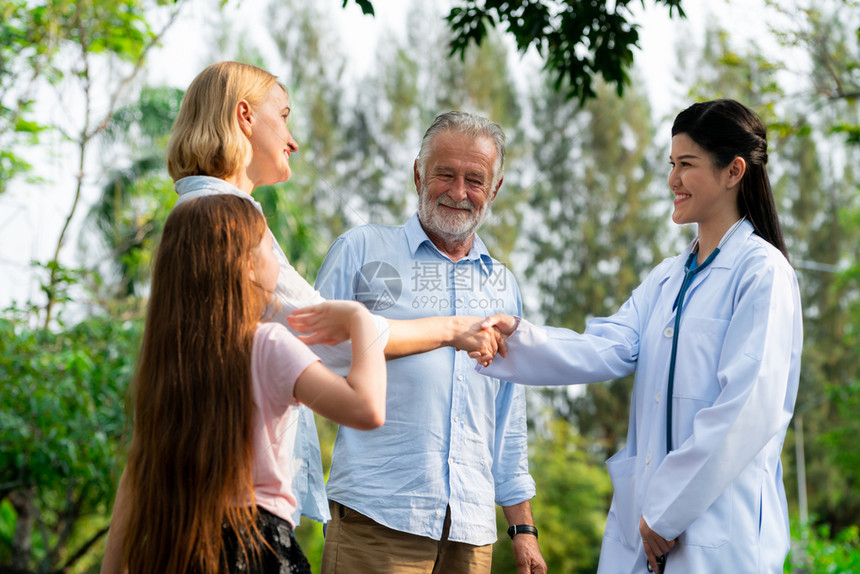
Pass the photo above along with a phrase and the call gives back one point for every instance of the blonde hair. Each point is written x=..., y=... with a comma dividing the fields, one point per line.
x=206, y=138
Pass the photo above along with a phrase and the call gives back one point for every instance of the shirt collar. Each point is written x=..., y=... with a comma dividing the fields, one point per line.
x=200, y=185
x=416, y=237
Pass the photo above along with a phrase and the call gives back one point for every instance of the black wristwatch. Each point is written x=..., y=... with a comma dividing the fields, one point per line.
x=522, y=529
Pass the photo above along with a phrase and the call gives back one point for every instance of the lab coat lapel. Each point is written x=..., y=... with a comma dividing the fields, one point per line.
x=700, y=277
x=670, y=285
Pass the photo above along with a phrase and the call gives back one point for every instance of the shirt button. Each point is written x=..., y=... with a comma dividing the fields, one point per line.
x=456, y=419
x=668, y=332
x=459, y=377
x=657, y=397
x=438, y=515
x=648, y=458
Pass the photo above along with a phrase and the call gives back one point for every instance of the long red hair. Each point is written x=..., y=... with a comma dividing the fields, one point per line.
x=190, y=463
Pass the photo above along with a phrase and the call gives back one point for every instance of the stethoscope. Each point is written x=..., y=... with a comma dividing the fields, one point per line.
x=690, y=272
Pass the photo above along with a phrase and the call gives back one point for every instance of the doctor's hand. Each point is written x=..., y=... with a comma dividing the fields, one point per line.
x=506, y=324
x=654, y=544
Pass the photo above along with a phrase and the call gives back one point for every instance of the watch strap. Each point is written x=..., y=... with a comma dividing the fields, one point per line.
x=522, y=529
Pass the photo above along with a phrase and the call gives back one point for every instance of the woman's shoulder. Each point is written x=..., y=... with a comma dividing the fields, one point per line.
x=758, y=252
x=761, y=263
x=664, y=269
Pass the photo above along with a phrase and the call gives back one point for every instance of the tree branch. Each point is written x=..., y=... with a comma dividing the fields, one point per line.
x=138, y=66
x=82, y=550
x=87, y=135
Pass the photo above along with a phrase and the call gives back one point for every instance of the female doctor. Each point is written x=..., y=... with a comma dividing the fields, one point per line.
x=714, y=336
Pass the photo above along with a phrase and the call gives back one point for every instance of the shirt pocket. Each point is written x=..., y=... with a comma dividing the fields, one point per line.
x=699, y=351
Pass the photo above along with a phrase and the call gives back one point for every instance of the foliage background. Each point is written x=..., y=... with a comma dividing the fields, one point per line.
x=583, y=214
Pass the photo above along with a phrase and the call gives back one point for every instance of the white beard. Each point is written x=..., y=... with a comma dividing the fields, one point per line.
x=452, y=227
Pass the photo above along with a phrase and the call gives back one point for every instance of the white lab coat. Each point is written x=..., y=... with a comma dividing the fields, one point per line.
x=720, y=490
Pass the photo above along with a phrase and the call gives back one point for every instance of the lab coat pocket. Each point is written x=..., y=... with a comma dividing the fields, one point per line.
x=622, y=523
x=699, y=349
x=714, y=527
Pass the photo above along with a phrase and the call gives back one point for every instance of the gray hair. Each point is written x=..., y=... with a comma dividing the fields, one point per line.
x=472, y=125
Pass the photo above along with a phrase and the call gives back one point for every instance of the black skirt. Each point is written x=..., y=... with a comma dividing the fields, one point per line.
x=284, y=557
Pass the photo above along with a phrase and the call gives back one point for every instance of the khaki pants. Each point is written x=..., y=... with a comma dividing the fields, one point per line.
x=355, y=544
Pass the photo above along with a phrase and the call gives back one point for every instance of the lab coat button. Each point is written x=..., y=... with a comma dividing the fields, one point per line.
x=459, y=377
x=668, y=332
x=648, y=458
x=657, y=397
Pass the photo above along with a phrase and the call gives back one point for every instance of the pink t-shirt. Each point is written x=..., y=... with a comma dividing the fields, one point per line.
x=278, y=358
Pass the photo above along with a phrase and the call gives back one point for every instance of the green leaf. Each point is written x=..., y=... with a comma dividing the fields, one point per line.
x=365, y=5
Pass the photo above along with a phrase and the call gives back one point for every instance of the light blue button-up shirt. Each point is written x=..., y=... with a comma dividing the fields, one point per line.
x=452, y=437
x=292, y=292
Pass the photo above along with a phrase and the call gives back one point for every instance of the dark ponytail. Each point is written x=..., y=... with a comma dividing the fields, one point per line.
x=727, y=129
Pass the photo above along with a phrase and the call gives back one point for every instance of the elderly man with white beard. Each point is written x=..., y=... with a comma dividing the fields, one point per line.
x=418, y=494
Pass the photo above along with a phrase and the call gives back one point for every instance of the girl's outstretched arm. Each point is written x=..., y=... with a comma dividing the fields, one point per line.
x=357, y=400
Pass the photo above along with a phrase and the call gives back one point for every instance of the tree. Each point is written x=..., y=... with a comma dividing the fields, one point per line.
x=573, y=495
x=61, y=431
x=128, y=216
x=578, y=40
x=95, y=48
x=26, y=46
x=596, y=228
x=822, y=150
x=57, y=464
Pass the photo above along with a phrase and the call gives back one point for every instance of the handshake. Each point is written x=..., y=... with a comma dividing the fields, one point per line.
x=482, y=337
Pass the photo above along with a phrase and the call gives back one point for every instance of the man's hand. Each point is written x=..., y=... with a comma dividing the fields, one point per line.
x=504, y=326
x=481, y=343
x=527, y=555
x=654, y=544
x=326, y=323
x=526, y=550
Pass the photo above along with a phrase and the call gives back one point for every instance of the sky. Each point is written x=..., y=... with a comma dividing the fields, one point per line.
x=31, y=216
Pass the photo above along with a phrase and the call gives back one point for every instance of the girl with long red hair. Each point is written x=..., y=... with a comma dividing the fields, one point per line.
x=207, y=483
